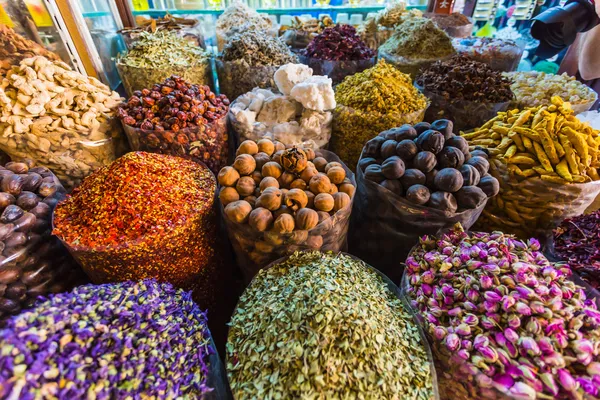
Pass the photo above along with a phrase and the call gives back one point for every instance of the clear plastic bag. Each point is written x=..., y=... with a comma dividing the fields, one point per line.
x=385, y=226
x=353, y=128
x=411, y=67
x=138, y=78
x=72, y=154
x=32, y=261
x=209, y=144
x=465, y=114
x=501, y=55
x=407, y=307
x=254, y=250
x=583, y=107
x=337, y=70
x=238, y=77
x=532, y=207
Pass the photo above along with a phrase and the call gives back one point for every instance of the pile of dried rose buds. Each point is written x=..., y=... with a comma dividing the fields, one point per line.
x=503, y=320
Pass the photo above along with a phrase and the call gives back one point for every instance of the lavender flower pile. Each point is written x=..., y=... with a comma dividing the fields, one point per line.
x=115, y=341
x=503, y=319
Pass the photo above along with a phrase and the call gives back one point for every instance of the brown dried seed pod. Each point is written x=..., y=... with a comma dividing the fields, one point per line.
x=245, y=186
x=238, y=211
x=310, y=154
x=261, y=159
x=347, y=188
x=31, y=181
x=257, y=177
x=311, y=199
x=336, y=175
x=251, y=200
x=270, y=199
x=294, y=160
x=247, y=147
x=244, y=164
x=284, y=224
x=272, y=169
x=298, y=184
x=333, y=190
x=17, y=167
x=228, y=176
x=6, y=199
x=260, y=219
x=267, y=182
x=324, y=202
x=279, y=146
x=308, y=173
x=276, y=157
x=340, y=201
x=282, y=210
x=320, y=183
x=12, y=184
x=320, y=163
x=266, y=146
x=306, y=219
x=331, y=165
x=228, y=195
x=286, y=179
x=296, y=199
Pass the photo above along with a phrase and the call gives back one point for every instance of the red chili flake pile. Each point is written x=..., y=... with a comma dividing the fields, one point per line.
x=338, y=43
x=144, y=216
x=577, y=241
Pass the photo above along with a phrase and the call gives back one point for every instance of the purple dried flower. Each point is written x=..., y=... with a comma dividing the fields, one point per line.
x=428, y=277
x=463, y=330
x=492, y=297
x=470, y=319
x=452, y=342
x=521, y=390
x=522, y=308
x=340, y=42
x=439, y=333
x=566, y=380
x=507, y=302
x=588, y=386
x=530, y=346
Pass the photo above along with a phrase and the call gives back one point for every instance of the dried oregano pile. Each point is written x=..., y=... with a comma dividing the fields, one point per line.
x=324, y=326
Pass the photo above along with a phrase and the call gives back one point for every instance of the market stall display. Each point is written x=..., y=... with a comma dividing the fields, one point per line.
x=326, y=326
x=249, y=60
x=300, y=113
x=59, y=118
x=126, y=340
x=181, y=119
x=156, y=56
x=238, y=18
x=299, y=34
x=32, y=261
x=503, y=321
x=14, y=48
x=413, y=181
x=278, y=200
x=377, y=29
x=576, y=242
x=534, y=88
x=456, y=25
x=187, y=28
x=416, y=43
x=464, y=91
x=546, y=161
x=501, y=54
x=370, y=102
x=144, y=216
x=338, y=52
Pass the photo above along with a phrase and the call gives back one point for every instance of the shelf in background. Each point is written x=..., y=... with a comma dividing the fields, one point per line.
x=275, y=11
x=95, y=14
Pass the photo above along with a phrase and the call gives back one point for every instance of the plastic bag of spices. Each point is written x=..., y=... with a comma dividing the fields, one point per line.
x=32, y=261
x=316, y=219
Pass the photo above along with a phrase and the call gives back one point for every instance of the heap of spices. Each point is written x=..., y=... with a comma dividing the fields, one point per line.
x=14, y=48
x=279, y=200
x=159, y=55
x=544, y=159
x=380, y=27
x=237, y=18
x=534, y=88
x=125, y=340
x=500, y=54
x=180, y=119
x=32, y=261
x=416, y=43
x=144, y=216
x=184, y=27
x=325, y=326
x=249, y=60
x=577, y=242
x=464, y=91
x=503, y=320
x=299, y=34
x=371, y=102
x=449, y=20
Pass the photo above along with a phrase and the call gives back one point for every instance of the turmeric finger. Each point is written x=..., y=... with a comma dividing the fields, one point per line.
x=542, y=157
x=562, y=169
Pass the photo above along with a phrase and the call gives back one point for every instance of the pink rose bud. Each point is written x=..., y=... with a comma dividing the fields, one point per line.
x=492, y=296
x=566, y=380
x=511, y=335
x=439, y=332
x=521, y=390
x=452, y=342
x=549, y=383
x=530, y=346
x=522, y=308
x=593, y=368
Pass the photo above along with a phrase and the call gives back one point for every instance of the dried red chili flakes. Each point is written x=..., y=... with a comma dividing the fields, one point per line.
x=577, y=241
x=144, y=216
x=338, y=43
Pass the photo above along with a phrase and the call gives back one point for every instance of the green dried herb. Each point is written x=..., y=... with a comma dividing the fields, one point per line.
x=325, y=326
x=418, y=38
x=157, y=56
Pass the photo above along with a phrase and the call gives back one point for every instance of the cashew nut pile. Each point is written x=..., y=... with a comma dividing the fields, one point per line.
x=58, y=117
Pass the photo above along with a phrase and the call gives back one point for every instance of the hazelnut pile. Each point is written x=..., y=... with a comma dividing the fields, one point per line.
x=172, y=105
x=288, y=198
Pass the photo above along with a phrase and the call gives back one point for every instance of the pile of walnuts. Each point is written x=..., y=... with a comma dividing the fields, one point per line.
x=285, y=196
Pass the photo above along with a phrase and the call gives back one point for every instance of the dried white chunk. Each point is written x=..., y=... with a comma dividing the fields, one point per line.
x=315, y=93
x=289, y=75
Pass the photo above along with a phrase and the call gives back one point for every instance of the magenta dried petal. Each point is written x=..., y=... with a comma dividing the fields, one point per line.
x=566, y=380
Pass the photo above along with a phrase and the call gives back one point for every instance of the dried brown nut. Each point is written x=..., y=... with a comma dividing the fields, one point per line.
x=41, y=211
x=333, y=189
x=340, y=201
x=27, y=200
x=251, y=200
x=282, y=210
x=286, y=179
x=260, y=219
x=16, y=239
x=245, y=186
x=17, y=167
x=47, y=189
x=276, y=157
x=247, y=147
x=331, y=165
x=244, y=164
x=324, y=202
x=270, y=199
x=296, y=199
x=306, y=219
x=279, y=146
x=257, y=177
x=6, y=199
x=261, y=159
x=320, y=164
x=238, y=211
x=298, y=237
x=266, y=146
x=311, y=199
x=320, y=183
x=272, y=169
x=308, y=173
x=228, y=195
x=348, y=188
x=11, y=214
x=284, y=224
x=294, y=160
x=228, y=176
x=12, y=184
x=267, y=182
x=336, y=174
x=298, y=184
x=394, y=186
x=418, y=194
x=314, y=242
x=310, y=154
